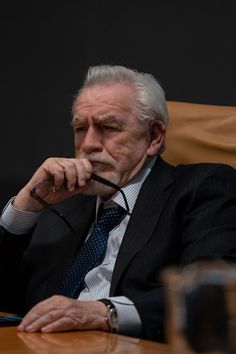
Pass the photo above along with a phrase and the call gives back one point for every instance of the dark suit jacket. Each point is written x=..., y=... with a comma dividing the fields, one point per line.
x=182, y=215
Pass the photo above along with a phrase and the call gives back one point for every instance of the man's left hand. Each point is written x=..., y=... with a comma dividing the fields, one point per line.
x=59, y=313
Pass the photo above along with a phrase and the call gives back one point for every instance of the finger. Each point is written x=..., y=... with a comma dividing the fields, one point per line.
x=62, y=324
x=69, y=174
x=72, y=172
x=36, y=312
x=31, y=317
x=45, y=312
x=84, y=170
x=53, y=167
x=38, y=323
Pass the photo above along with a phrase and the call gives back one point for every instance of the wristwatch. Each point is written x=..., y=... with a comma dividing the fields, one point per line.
x=111, y=317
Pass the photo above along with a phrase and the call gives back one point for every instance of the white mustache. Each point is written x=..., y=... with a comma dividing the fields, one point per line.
x=97, y=158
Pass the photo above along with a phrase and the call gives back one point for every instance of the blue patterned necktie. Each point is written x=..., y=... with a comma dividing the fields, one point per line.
x=91, y=251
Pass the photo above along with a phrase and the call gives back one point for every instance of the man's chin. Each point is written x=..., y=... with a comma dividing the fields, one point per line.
x=98, y=188
x=108, y=175
x=105, y=192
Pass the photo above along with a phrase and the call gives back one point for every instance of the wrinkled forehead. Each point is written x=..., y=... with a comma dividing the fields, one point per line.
x=110, y=95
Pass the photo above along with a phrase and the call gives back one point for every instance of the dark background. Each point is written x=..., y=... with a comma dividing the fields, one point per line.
x=46, y=47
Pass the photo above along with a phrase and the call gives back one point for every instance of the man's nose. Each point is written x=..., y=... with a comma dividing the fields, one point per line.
x=92, y=141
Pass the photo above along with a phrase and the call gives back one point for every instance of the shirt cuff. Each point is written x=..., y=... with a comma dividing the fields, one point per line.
x=129, y=322
x=16, y=221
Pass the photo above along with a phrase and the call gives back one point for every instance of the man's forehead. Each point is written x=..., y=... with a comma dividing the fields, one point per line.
x=109, y=92
x=104, y=103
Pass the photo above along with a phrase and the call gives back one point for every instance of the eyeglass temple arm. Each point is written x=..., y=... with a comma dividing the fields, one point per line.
x=110, y=184
x=104, y=181
x=50, y=207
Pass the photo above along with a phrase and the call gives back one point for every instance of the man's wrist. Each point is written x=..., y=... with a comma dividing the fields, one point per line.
x=16, y=221
x=24, y=202
x=111, y=316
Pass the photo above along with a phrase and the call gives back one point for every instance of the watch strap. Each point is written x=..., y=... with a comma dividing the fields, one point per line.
x=107, y=303
x=110, y=309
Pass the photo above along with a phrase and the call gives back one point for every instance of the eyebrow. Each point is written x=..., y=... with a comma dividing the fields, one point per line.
x=110, y=118
x=106, y=118
x=76, y=120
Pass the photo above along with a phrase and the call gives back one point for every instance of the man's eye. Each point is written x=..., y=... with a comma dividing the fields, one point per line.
x=79, y=129
x=109, y=127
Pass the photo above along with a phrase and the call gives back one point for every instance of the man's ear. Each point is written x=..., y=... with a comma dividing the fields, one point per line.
x=157, y=134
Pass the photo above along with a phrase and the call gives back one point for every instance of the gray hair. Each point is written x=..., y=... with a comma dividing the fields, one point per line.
x=149, y=95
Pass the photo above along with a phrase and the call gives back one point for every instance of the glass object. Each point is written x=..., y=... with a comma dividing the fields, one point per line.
x=201, y=308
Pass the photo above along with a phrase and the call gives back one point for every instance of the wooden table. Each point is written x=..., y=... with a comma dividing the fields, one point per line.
x=87, y=342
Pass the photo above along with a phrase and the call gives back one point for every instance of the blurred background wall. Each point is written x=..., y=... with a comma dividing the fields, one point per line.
x=47, y=46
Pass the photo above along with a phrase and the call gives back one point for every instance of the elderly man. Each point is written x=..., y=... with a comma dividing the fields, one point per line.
x=69, y=271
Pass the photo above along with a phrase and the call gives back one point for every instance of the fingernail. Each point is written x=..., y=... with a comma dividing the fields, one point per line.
x=30, y=328
x=45, y=329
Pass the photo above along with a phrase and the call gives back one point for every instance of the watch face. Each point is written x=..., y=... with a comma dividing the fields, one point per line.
x=112, y=319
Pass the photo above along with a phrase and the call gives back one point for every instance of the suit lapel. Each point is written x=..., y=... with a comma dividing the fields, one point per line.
x=148, y=207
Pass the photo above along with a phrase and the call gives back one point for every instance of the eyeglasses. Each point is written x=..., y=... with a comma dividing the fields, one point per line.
x=44, y=189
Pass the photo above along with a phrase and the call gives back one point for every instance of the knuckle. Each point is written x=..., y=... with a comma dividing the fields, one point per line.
x=61, y=301
x=49, y=160
x=58, y=298
x=50, y=316
x=87, y=165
